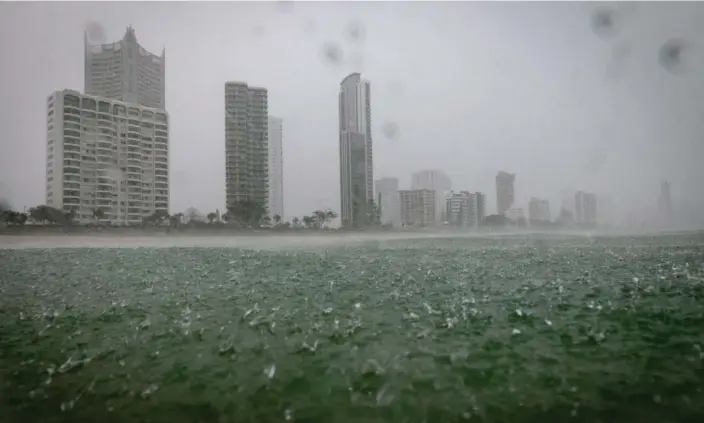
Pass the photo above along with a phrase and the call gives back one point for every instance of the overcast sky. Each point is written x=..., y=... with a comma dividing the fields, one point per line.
x=474, y=88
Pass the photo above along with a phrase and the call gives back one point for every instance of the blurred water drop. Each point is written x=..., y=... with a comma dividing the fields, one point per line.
x=354, y=31
x=95, y=33
x=259, y=31
x=332, y=53
x=604, y=21
x=671, y=55
x=285, y=6
x=309, y=26
x=390, y=130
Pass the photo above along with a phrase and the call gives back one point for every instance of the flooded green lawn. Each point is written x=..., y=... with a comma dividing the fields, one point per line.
x=520, y=329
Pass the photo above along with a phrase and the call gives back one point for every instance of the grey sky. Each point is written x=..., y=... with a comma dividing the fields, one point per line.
x=473, y=87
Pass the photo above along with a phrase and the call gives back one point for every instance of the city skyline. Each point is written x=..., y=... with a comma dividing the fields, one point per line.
x=626, y=164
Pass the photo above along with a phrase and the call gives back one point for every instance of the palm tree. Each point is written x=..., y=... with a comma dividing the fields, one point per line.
x=296, y=221
x=320, y=218
x=277, y=219
x=308, y=221
x=211, y=217
x=330, y=215
x=98, y=214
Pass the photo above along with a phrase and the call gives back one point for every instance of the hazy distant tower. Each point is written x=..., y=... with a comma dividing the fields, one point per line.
x=356, y=158
x=434, y=180
x=504, y=191
x=246, y=144
x=665, y=202
x=276, y=167
x=387, y=190
x=125, y=71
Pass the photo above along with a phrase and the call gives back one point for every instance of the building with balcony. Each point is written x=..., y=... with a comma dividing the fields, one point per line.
x=246, y=144
x=105, y=154
x=417, y=207
x=276, y=167
x=125, y=71
x=356, y=156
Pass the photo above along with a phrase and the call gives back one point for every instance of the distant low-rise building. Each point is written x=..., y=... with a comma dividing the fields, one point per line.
x=417, y=207
x=516, y=215
x=538, y=210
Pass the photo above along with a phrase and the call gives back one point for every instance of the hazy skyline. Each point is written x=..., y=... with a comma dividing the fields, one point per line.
x=472, y=88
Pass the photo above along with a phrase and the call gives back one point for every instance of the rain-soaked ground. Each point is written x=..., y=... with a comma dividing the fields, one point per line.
x=531, y=328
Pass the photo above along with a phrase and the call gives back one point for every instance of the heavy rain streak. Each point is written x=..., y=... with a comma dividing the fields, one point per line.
x=415, y=212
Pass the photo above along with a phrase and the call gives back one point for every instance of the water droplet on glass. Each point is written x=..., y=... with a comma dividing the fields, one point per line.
x=355, y=32
x=671, y=55
x=604, y=22
x=516, y=332
x=95, y=33
x=390, y=130
x=332, y=53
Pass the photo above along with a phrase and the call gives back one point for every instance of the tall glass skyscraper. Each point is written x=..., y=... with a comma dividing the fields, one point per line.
x=356, y=158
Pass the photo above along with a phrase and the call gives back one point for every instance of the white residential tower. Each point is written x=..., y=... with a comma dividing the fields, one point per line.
x=106, y=154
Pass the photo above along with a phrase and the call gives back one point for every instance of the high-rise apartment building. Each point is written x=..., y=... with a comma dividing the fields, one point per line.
x=585, y=208
x=125, y=71
x=246, y=144
x=417, y=207
x=356, y=158
x=538, y=210
x=106, y=154
x=276, y=167
x=435, y=180
x=388, y=199
x=461, y=209
x=480, y=199
x=504, y=191
x=665, y=203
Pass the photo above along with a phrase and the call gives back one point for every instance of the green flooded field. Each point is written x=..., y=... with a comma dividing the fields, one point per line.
x=512, y=329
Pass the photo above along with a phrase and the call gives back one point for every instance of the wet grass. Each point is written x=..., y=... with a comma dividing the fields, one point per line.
x=520, y=329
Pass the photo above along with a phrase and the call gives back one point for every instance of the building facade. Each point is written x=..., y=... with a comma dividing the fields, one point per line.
x=480, y=199
x=461, y=209
x=356, y=152
x=276, y=167
x=505, y=193
x=106, y=154
x=388, y=199
x=246, y=144
x=417, y=207
x=538, y=210
x=125, y=71
x=585, y=208
x=435, y=180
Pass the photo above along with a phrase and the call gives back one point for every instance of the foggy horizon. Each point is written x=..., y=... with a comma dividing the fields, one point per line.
x=534, y=89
